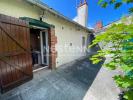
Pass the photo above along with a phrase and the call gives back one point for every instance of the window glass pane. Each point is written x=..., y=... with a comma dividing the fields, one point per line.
x=83, y=41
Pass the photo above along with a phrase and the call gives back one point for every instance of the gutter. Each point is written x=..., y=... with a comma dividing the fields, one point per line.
x=46, y=7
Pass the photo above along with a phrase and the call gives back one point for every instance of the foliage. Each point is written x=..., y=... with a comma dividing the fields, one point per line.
x=118, y=40
x=116, y=3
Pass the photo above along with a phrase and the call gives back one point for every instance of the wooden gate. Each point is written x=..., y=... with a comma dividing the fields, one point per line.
x=15, y=56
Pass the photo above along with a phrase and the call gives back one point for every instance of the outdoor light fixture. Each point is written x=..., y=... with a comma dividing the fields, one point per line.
x=43, y=15
x=38, y=37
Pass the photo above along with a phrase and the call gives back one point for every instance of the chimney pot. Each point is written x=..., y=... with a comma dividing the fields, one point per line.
x=80, y=2
x=99, y=26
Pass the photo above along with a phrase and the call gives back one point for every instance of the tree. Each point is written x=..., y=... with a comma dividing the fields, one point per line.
x=120, y=49
x=116, y=3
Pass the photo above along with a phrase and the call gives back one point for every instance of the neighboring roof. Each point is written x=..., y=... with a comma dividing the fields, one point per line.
x=116, y=21
x=46, y=7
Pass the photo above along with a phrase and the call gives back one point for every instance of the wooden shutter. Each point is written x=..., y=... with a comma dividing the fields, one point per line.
x=15, y=56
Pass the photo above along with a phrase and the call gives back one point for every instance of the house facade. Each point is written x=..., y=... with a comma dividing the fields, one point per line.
x=48, y=38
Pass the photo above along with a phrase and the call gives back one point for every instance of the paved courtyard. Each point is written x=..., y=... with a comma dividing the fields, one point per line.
x=69, y=82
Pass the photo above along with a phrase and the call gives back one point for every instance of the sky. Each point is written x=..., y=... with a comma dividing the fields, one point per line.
x=95, y=12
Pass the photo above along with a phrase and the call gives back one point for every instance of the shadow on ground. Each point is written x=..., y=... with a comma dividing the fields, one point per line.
x=69, y=82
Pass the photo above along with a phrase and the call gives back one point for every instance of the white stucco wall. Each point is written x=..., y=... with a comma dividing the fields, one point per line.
x=68, y=35
x=83, y=15
x=18, y=8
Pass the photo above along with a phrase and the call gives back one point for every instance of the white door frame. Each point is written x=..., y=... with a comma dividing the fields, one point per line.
x=47, y=47
x=42, y=46
x=41, y=43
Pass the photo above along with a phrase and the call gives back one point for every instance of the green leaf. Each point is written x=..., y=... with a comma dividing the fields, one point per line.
x=118, y=4
x=129, y=95
x=131, y=10
x=100, y=1
x=112, y=1
x=105, y=4
x=123, y=81
x=111, y=65
x=127, y=1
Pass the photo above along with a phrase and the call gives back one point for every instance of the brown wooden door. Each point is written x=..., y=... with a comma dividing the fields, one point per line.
x=15, y=56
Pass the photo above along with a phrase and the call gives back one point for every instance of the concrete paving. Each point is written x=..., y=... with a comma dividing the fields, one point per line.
x=69, y=82
x=103, y=87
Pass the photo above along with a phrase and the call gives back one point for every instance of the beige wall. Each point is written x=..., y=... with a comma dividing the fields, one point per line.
x=66, y=35
x=83, y=15
x=17, y=8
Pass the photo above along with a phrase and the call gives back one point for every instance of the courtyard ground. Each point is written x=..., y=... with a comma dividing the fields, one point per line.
x=77, y=80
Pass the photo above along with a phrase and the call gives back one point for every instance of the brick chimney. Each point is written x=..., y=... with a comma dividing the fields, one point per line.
x=98, y=26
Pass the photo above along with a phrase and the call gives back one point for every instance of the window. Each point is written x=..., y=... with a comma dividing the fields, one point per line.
x=83, y=41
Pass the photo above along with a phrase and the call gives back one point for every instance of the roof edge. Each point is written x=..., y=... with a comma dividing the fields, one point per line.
x=46, y=7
